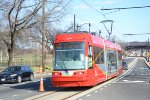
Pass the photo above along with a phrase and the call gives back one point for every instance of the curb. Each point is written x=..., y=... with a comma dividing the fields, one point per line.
x=37, y=75
x=147, y=63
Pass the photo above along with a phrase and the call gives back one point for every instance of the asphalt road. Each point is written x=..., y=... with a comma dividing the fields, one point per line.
x=133, y=86
x=129, y=59
x=20, y=91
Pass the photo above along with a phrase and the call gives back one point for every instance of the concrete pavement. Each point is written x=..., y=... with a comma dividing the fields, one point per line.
x=37, y=75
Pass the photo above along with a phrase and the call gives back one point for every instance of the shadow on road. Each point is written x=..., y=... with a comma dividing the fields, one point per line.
x=34, y=86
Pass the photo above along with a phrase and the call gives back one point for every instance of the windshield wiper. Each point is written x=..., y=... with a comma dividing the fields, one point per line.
x=65, y=67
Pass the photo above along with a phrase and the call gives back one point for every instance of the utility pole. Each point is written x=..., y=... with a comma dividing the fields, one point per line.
x=148, y=50
x=43, y=37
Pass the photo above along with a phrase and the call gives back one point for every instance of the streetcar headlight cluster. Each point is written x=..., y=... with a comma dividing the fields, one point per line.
x=56, y=73
x=78, y=73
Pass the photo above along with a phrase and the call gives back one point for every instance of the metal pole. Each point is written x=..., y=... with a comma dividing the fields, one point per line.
x=77, y=27
x=148, y=49
x=99, y=33
x=89, y=27
x=74, y=23
x=43, y=36
x=111, y=27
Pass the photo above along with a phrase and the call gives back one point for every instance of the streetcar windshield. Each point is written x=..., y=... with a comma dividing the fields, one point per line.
x=69, y=56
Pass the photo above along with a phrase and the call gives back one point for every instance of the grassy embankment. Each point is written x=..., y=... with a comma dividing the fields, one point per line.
x=31, y=60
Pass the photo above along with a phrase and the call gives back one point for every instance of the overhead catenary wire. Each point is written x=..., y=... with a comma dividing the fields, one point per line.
x=95, y=10
x=137, y=34
x=99, y=13
x=126, y=8
x=82, y=18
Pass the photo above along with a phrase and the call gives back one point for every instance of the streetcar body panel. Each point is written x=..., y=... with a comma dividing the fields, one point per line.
x=82, y=59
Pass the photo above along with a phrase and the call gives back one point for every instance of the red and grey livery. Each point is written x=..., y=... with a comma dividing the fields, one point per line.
x=82, y=59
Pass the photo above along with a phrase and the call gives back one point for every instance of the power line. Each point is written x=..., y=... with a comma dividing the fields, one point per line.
x=137, y=34
x=65, y=5
x=126, y=8
x=98, y=12
x=94, y=9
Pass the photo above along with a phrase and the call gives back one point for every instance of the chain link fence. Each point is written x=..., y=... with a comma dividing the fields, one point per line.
x=30, y=61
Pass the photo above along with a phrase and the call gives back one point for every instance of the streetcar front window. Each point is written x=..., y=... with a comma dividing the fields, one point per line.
x=69, y=56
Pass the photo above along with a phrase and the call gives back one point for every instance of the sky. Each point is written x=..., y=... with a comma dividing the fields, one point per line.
x=131, y=21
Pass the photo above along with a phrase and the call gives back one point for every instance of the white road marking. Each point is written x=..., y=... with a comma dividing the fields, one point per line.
x=1, y=99
x=15, y=95
x=30, y=91
x=80, y=99
x=127, y=73
x=131, y=82
x=36, y=81
x=96, y=91
x=88, y=95
x=105, y=86
x=109, y=84
x=138, y=81
x=125, y=80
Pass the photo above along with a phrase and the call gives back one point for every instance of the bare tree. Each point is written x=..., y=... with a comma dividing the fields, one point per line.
x=19, y=15
x=117, y=40
x=21, y=21
x=55, y=11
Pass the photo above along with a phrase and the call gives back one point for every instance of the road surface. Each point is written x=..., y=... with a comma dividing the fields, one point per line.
x=19, y=91
x=132, y=86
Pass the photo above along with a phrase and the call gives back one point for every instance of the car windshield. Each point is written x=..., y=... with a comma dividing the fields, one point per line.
x=12, y=69
x=69, y=56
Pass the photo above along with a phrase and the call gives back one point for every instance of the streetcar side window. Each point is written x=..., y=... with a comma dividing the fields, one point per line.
x=98, y=55
x=90, y=51
x=90, y=64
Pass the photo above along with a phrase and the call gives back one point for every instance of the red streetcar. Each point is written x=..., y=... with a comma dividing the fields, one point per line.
x=82, y=59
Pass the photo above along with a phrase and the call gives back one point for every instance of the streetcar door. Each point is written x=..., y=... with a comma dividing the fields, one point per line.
x=112, y=61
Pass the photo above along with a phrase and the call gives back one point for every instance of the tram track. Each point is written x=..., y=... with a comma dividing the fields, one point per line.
x=68, y=93
x=43, y=94
x=74, y=93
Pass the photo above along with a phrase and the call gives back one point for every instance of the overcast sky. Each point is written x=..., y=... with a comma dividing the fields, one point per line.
x=131, y=21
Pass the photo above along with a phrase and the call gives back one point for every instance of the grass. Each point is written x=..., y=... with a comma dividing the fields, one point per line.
x=35, y=69
x=31, y=60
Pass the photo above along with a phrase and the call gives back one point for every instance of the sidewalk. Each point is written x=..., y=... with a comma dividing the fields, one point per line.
x=147, y=63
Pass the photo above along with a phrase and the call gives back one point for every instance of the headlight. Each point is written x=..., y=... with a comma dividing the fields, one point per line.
x=13, y=75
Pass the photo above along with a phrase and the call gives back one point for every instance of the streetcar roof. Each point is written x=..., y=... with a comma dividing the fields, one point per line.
x=83, y=36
